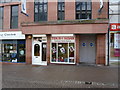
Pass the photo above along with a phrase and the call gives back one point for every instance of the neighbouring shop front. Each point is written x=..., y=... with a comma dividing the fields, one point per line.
x=63, y=49
x=12, y=47
x=115, y=42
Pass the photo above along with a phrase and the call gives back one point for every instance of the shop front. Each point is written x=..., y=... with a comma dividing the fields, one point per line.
x=63, y=49
x=12, y=47
x=39, y=50
x=114, y=42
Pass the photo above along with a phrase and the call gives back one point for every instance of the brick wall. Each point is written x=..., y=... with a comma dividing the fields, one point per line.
x=52, y=12
x=101, y=45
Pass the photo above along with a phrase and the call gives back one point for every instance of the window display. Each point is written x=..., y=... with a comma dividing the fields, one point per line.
x=114, y=46
x=63, y=51
x=13, y=51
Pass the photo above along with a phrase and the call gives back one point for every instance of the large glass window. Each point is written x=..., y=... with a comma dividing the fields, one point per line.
x=83, y=9
x=1, y=18
x=12, y=51
x=114, y=46
x=40, y=11
x=14, y=17
x=61, y=9
x=63, y=52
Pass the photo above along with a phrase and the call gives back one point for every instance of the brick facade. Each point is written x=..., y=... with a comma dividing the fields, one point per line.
x=28, y=27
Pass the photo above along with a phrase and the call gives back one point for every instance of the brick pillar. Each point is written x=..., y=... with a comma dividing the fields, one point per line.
x=100, y=54
x=52, y=10
x=28, y=49
x=69, y=10
x=77, y=40
x=48, y=48
x=7, y=16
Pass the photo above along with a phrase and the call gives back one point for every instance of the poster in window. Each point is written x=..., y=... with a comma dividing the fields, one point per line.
x=116, y=41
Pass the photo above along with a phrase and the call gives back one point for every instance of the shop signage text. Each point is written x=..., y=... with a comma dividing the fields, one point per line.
x=115, y=27
x=12, y=35
x=63, y=39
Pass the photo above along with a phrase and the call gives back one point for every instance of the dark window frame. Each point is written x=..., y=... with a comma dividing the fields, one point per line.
x=62, y=12
x=42, y=14
x=2, y=18
x=86, y=11
x=11, y=18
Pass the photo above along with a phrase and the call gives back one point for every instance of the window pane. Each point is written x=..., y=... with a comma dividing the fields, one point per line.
x=71, y=52
x=77, y=6
x=1, y=18
x=44, y=51
x=54, y=52
x=36, y=50
x=14, y=22
x=45, y=8
x=1, y=24
x=36, y=8
x=14, y=17
x=63, y=6
x=83, y=5
x=88, y=5
x=62, y=52
x=36, y=17
x=9, y=53
x=21, y=51
x=40, y=8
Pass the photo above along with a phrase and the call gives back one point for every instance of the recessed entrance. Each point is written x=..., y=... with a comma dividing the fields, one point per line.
x=87, y=49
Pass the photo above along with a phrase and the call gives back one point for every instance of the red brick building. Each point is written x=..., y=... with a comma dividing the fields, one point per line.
x=54, y=32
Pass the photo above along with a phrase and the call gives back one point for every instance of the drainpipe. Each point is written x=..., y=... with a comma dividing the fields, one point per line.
x=108, y=37
x=108, y=55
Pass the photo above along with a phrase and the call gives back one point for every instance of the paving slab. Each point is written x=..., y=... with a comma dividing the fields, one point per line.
x=59, y=76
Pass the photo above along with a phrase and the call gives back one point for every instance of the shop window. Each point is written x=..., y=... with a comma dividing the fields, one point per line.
x=114, y=46
x=63, y=52
x=14, y=17
x=61, y=9
x=83, y=9
x=36, y=50
x=40, y=10
x=12, y=51
x=1, y=17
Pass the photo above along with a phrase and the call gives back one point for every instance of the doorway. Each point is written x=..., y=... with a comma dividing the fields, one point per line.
x=87, y=49
x=39, y=52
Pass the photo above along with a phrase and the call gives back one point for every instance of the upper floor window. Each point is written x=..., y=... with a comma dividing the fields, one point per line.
x=14, y=17
x=40, y=11
x=8, y=1
x=83, y=9
x=1, y=18
x=61, y=9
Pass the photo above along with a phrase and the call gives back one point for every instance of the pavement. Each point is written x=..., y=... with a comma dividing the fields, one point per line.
x=59, y=76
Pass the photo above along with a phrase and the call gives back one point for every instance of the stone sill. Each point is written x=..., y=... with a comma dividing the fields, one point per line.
x=64, y=22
